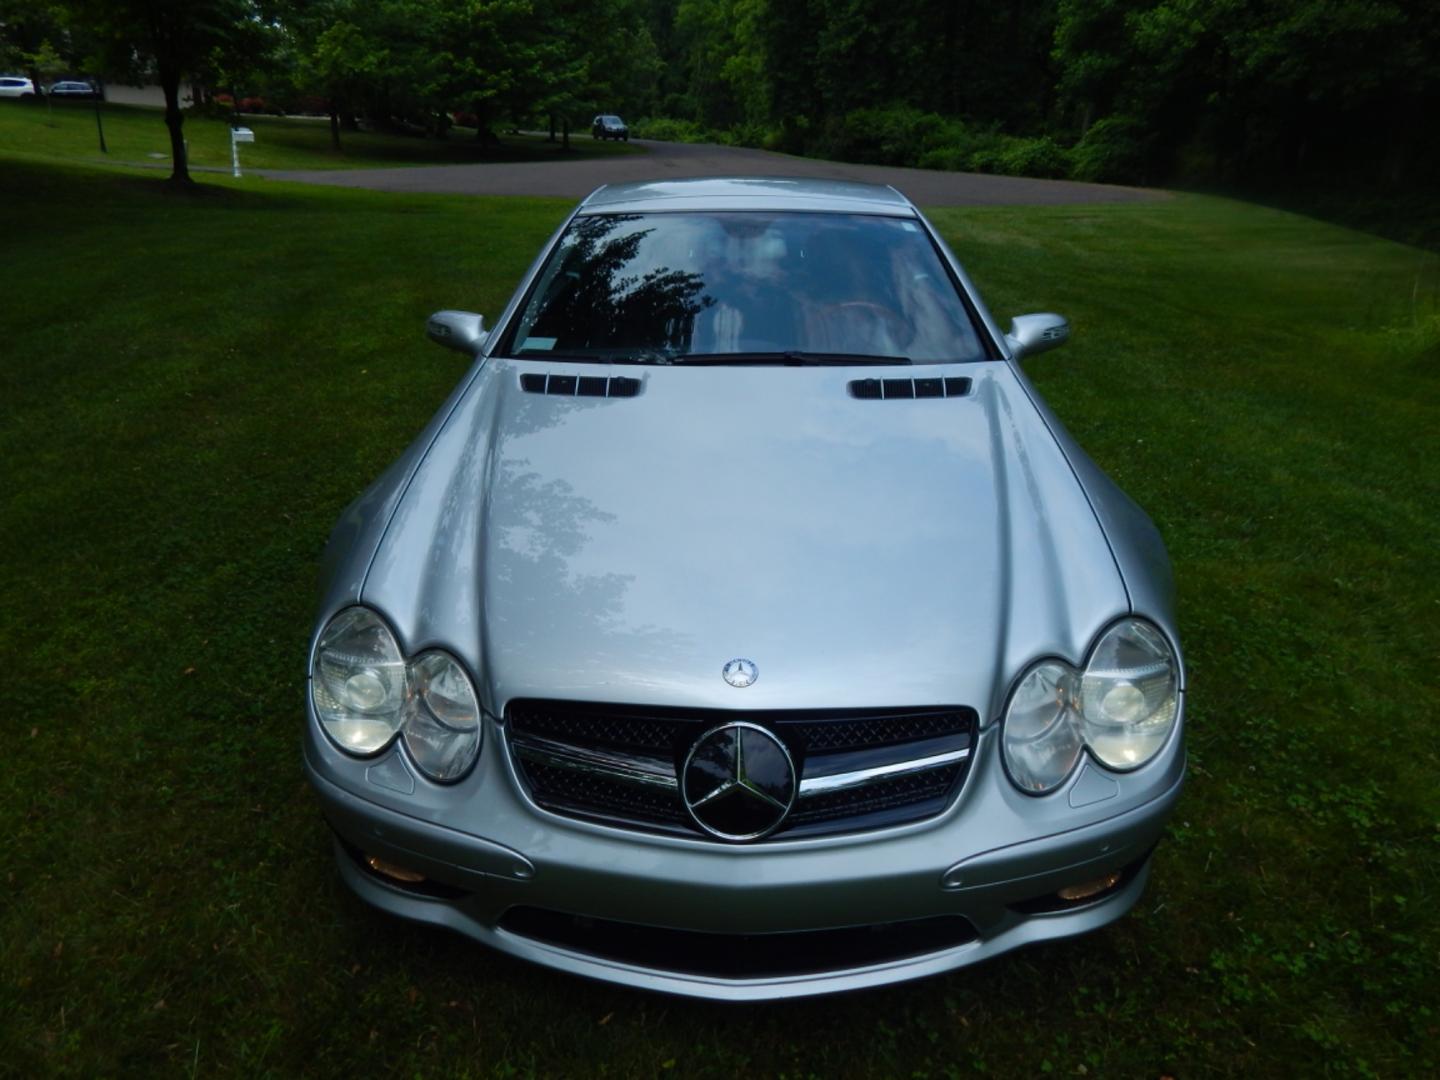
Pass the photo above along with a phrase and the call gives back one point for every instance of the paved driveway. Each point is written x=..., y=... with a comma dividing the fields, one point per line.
x=668, y=161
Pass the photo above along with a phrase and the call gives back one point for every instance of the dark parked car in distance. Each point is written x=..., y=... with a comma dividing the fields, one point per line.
x=73, y=89
x=609, y=127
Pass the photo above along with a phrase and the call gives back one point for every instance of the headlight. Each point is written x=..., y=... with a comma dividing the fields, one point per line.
x=359, y=682
x=442, y=729
x=366, y=692
x=1122, y=706
x=1042, y=739
x=1129, y=694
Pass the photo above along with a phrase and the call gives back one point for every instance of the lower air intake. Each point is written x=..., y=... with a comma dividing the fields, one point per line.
x=740, y=956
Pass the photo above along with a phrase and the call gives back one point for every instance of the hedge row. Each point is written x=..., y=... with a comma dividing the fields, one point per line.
x=1112, y=150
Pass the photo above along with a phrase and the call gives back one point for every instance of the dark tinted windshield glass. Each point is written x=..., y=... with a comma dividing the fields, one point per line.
x=658, y=287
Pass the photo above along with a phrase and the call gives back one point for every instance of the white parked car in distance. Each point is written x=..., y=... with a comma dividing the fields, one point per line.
x=16, y=86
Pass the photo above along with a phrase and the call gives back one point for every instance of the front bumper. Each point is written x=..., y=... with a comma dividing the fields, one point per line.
x=991, y=859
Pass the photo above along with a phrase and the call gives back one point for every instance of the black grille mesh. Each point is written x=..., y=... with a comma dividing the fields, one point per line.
x=828, y=736
x=902, y=791
x=595, y=796
x=620, y=731
x=861, y=736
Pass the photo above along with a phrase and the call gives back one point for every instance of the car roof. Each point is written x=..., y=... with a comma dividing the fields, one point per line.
x=748, y=193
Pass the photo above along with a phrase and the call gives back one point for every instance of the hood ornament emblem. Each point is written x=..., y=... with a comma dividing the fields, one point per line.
x=740, y=672
x=738, y=782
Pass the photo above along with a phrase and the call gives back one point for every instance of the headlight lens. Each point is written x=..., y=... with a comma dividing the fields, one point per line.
x=359, y=688
x=1122, y=706
x=365, y=693
x=442, y=728
x=1129, y=694
x=1042, y=739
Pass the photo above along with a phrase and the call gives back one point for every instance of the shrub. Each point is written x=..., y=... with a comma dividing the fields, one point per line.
x=1041, y=157
x=1113, y=150
x=894, y=135
x=987, y=159
x=670, y=130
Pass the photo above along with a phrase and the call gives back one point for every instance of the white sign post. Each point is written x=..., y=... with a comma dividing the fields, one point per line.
x=237, y=136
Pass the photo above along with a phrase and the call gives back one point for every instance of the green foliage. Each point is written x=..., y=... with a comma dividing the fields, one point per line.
x=1041, y=157
x=720, y=50
x=668, y=129
x=35, y=39
x=1279, y=86
x=902, y=135
x=897, y=135
x=1207, y=88
x=174, y=39
x=1113, y=150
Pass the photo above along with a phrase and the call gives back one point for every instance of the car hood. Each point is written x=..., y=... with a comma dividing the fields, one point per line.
x=860, y=552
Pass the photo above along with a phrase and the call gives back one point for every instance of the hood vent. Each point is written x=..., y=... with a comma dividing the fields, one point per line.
x=579, y=385
x=887, y=389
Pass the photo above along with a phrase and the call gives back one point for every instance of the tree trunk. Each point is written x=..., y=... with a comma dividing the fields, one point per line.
x=99, y=126
x=483, y=134
x=175, y=121
x=335, y=127
x=565, y=135
x=552, y=128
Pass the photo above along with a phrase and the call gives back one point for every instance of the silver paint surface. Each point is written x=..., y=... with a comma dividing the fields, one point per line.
x=860, y=552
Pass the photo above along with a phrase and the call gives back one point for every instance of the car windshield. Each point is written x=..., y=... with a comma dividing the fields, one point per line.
x=747, y=286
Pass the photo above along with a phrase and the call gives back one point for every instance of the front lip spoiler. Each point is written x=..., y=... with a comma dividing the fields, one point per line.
x=485, y=866
x=1021, y=930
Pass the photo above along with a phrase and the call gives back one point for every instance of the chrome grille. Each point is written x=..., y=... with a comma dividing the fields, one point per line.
x=857, y=769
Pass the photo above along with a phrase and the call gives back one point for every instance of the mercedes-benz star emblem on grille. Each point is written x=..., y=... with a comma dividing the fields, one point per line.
x=738, y=782
x=740, y=672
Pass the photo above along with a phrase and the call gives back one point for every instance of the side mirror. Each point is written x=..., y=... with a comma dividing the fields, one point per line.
x=1031, y=334
x=463, y=331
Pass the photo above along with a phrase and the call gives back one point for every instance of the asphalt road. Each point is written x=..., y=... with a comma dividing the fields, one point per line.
x=669, y=161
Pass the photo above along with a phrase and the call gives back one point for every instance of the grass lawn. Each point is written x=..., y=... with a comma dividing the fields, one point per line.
x=192, y=388
x=136, y=135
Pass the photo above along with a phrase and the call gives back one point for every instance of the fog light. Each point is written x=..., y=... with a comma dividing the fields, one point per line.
x=1087, y=889
x=390, y=870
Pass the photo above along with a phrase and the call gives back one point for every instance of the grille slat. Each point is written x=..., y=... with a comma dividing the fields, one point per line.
x=586, y=761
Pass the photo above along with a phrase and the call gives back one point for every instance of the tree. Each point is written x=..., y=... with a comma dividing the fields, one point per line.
x=338, y=51
x=176, y=37
x=29, y=36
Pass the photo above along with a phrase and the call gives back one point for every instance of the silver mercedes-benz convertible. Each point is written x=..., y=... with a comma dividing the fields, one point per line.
x=744, y=625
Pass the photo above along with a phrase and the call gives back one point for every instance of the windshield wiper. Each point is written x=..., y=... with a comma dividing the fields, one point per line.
x=785, y=358
x=791, y=358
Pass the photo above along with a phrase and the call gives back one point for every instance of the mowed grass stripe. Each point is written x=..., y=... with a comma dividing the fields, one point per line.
x=137, y=135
